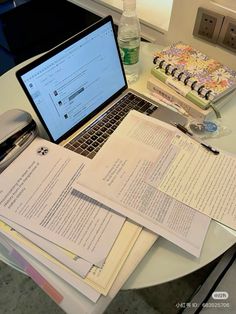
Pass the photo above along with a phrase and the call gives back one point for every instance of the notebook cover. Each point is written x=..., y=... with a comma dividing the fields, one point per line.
x=215, y=76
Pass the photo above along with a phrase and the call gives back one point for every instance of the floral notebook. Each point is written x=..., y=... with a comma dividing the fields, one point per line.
x=193, y=74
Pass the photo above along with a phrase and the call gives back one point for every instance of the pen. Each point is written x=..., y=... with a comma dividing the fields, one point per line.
x=190, y=134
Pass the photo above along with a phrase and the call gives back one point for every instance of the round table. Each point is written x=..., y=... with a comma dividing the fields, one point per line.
x=164, y=261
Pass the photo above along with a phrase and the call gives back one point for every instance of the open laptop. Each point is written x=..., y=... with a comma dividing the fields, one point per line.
x=80, y=93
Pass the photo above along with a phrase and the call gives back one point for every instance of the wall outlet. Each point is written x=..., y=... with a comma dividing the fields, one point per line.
x=208, y=25
x=227, y=37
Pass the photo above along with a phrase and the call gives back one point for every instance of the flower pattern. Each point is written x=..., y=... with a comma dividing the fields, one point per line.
x=207, y=71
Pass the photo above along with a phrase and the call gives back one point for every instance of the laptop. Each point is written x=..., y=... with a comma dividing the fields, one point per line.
x=80, y=93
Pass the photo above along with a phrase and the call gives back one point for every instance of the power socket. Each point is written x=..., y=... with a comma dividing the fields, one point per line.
x=208, y=25
x=227, y=37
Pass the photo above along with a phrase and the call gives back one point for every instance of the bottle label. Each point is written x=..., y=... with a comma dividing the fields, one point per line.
x=129, y=55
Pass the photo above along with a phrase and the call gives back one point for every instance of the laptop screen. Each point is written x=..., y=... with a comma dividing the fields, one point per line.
x=71, y=83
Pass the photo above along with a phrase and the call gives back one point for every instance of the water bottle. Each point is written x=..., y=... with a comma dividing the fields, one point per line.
x=129, y=40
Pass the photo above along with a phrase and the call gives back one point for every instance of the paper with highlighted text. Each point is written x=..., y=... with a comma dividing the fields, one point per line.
x=198, y=178
x=36, y=192
x=117, y=178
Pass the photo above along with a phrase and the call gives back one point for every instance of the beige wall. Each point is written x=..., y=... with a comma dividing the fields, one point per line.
x=183, y=20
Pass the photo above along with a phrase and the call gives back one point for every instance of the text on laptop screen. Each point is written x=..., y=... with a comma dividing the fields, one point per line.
x=71, y=84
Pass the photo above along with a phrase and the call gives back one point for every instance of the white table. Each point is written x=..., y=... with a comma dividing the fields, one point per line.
x=165, y=261
x=168, y=261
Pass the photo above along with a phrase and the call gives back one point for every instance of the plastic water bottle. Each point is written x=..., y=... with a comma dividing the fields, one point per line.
x=129, y=40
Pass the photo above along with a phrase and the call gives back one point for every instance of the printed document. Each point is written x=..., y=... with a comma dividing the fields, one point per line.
x=144, y=242
x=99, y=279
x=116, y=177
x=36, y=192
x=70, y=260
x=103, y=278
x=197, y=178
x=23, y=245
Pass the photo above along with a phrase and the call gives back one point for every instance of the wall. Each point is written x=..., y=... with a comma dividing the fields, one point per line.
x=154, y=15
x=182, y=23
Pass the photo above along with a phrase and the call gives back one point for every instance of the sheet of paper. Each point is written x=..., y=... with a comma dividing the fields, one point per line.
x=70, y=260
x=75, y=302
x=103, y=278
x=100, y=279
x=116, y=177
x=36, y=192
x=19, y=243
x=198, y=178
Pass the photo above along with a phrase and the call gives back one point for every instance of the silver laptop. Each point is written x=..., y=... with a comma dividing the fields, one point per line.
x=80, y=93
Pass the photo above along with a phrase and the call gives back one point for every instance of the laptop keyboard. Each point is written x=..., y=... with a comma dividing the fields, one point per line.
x=88, y=142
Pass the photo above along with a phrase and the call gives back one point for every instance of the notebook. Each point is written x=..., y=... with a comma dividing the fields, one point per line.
x=193, y=74
x=160, y=90
x=79, y=90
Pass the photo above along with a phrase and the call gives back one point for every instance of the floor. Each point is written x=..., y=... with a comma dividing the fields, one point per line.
x=18, y=293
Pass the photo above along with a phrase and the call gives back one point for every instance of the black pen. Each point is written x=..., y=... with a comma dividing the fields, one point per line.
x=190, y=134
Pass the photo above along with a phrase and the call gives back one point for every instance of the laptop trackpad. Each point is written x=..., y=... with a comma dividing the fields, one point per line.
x=169, y=116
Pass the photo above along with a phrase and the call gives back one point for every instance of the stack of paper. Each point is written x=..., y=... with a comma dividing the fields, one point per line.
x=146, y=162
x=68, y=216
x=80, y=240
x=64, y=294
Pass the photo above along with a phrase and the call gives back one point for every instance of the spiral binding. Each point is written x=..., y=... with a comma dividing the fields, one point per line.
x=184, y=78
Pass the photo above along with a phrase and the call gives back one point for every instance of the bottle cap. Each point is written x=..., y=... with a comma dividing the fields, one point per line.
x=129, y=4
